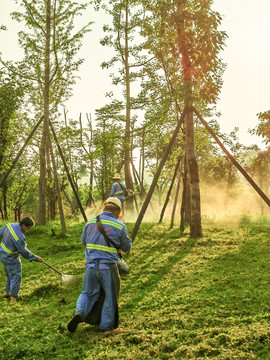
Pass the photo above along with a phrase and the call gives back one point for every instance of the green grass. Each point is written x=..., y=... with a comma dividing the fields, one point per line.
x=184, y=298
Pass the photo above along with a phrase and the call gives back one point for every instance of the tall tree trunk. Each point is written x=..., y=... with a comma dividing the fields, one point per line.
x=185, y=206
x=136, y=175
x=73, y=211
x=176, y=198
x=128, y=178
x=57, y=185
x=50, y=190
x=1, y=212
x=68, y=146
x=195, y=202
x=41, y=213
x=46, y=99
x=5, y=201
x=19, y=213
x=169, y=191
x=142, y=157
x=90, y=200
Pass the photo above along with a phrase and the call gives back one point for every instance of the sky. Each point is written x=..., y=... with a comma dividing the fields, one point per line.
x=245, y=92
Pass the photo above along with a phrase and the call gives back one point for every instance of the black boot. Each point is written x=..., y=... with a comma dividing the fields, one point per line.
x=72, y=325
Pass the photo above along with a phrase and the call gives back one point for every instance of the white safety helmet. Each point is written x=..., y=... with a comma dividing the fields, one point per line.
x=115, y=201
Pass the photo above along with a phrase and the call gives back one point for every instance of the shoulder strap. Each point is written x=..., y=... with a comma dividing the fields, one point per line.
x=102, y=231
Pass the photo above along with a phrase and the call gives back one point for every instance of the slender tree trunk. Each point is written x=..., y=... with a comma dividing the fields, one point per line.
x=59, y=198
x=68, y=200
x=90, y=200
x=46, y=119
x=136, y=175
x=195, y=202
x=41, y=214
x=185, y=206
x=142, y=156
x=68, y=146
x=1, y=212
x=169, y=191
x=5, y=201
x=193, y=171
x=46, y=99
x=128, y=178
x=261, y=183
x=176, y=198
x=50, y=190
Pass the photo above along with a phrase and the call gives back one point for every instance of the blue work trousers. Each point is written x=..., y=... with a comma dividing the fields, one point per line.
x=90, y=293
x=14, y=278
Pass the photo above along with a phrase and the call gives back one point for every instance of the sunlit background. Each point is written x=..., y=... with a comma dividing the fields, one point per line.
x=247, y=55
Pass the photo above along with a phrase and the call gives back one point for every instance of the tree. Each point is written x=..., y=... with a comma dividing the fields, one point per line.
x=108, y=140
x=260, y=169
x=49, y=67
x=263, y=128
x=184, y=32
x=10, y=100
x=87, y=140
x=123, y=36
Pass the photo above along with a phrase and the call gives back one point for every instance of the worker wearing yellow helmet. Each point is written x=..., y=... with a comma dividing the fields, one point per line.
x=101, y=279
x=119, y=190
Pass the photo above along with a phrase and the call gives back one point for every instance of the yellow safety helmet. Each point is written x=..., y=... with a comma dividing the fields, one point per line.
x=116, y=176
x=115, y=201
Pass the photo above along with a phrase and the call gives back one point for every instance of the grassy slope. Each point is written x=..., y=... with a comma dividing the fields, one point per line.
x=184, y=299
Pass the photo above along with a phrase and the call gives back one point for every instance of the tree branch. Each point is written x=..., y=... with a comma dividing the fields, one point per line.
x=142, y=64
x=20, y=74
x=54, y=46
x=32, y=17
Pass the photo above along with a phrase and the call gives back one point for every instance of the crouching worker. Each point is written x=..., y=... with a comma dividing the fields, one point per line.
x=14, y=244
x=98, y=302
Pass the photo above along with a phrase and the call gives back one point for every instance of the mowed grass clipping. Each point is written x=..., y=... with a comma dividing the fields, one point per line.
x=206, y=298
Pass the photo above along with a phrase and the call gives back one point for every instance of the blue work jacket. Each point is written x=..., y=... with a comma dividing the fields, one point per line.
x=117, y=190
x=14, y=244
x=96, y=247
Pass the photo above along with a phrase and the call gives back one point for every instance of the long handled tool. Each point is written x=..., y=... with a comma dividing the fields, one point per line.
x=64, y=277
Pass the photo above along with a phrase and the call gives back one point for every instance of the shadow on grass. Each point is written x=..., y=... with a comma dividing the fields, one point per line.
x=239, y=281
x=55, y=249
x=44, y=291
x=152, y=276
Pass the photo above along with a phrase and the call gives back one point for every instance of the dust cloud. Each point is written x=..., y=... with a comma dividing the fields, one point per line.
x=218, y=203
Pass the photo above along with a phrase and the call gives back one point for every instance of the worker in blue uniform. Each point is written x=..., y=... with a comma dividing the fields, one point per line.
x=14, y=244
x=119, y=189
x=101, y=274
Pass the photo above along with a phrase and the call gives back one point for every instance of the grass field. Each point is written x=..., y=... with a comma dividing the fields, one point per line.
x=206, y=298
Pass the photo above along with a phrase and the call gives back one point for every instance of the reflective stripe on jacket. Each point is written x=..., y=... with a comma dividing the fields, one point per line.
x=7, y=250
x=14, y=244
x=96, y=247
x=117, y=190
